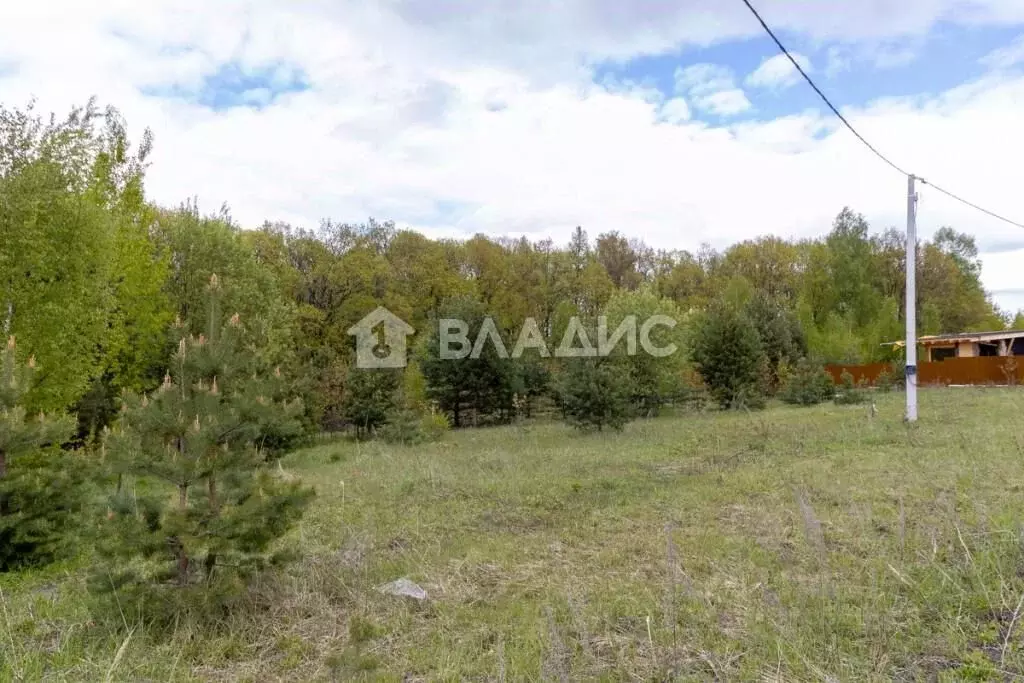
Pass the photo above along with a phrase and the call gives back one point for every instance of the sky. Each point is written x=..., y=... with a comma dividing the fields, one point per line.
x=676, y=122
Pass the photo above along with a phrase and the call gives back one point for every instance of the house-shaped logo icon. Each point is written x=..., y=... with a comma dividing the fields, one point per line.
x=380, y=340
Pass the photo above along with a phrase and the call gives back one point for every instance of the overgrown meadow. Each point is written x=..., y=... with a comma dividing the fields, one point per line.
x=793, y=544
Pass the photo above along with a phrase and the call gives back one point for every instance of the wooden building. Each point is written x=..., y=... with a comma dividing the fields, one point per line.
x=972, y=345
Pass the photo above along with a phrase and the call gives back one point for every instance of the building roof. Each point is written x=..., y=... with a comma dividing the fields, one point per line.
x=985, y=337
x=972, y=337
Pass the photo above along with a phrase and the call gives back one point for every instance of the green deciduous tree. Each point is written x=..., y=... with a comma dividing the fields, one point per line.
x=198, y=245
x=619, y=259
x=769, y=264
x=653, y=379
x=67, y=189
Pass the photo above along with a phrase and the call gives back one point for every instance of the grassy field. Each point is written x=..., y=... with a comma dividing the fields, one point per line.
x=797, y=544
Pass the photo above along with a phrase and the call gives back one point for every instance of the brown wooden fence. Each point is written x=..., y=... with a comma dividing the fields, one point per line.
x=981, y=370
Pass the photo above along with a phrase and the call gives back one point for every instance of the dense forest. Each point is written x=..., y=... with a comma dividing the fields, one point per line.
x=93, y=274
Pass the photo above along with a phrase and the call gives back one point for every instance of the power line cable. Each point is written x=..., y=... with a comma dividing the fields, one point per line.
x=817, y=89
x=972, y=204
x=853, y=130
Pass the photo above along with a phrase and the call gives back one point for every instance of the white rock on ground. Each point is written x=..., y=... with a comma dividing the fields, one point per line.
x=403, y=587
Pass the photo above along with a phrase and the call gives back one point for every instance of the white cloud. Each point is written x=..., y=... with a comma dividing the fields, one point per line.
x=893, y=56
x=838, y=61
x=789, y=134
x=778, y=72
x=725, y=102
x=1006, y=57
x=490, y=107
x=675, y=110
x=872, y=54
x=704, y=78
x=544, y=35
x=712, y=88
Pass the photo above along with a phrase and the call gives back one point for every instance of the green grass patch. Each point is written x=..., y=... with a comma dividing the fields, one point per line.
x=793, y=544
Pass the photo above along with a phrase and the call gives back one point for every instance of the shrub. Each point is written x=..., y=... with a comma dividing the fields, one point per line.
x=402, y=427
x=414, y=387
x=807, y=384
x=750, y=398
x=885, y=381
x=434, y=425
x=409, y=427
x=849, y=393
x=694, y=393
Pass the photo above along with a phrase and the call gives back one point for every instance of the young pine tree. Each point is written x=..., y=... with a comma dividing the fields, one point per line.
x=849, y=392
x=41, y=491
x=728, y=353
x=808, y=384
x=194, y=489
x=595, y=393
x=370, y=397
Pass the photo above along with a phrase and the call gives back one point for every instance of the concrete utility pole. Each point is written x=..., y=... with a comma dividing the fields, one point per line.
x=911, y=305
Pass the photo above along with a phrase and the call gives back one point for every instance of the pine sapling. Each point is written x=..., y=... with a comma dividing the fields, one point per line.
x=40, y=492
x=202, y=495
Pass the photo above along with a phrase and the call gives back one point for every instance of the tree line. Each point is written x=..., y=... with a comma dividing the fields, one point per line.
x=92, y=273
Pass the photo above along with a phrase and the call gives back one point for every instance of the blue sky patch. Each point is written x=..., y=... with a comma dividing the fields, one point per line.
x=947, y=57
x=233, y=85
